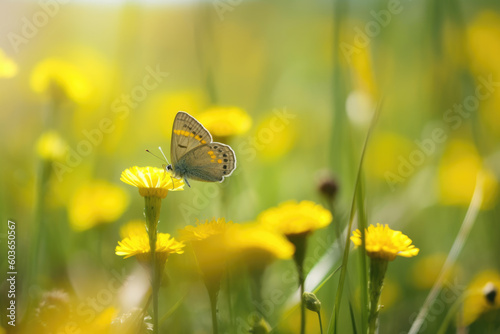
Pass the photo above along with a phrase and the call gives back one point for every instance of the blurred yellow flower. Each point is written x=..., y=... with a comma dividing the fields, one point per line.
x=95, y=203
x=383, y=243
x=482, y=295
x=133, y=227
x=458, y=170
x=427, y=269
x=483, y=39
x=159, y=110
x=256, y=245
x=483, y=44
x=391, y=293
x=50, y=146
x=224, y=122
x=362, y=71
x=384, y=154
x=204, y=230
x=151, y=181
x=138, y=245
x=275, y=138
x=210, y=249
x=56, y=76
x=292, y=217
x=8, y=68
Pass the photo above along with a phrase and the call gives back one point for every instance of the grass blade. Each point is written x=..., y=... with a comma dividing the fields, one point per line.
x=332, y=328
x=458, y=244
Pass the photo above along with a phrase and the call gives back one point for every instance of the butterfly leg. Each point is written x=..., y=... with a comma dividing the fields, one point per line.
x=186, y=182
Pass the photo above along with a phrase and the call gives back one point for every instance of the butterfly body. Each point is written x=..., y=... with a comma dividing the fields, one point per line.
x=194, y=155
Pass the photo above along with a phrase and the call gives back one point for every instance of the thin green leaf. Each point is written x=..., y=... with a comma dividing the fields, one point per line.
x=458, y=244
x=353, y=319
x=332, y=328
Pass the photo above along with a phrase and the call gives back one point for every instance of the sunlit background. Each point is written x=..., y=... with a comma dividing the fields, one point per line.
x=88, y=86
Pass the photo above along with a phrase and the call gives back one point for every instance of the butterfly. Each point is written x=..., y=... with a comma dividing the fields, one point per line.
x=194, y=155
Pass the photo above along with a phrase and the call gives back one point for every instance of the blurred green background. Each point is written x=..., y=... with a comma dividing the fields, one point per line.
x=317, y=69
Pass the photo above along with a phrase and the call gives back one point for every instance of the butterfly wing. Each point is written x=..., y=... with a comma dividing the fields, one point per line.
x=209, y=162
x=187, y=133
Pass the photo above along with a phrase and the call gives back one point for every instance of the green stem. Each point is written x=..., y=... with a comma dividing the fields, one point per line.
x=320, y=323
x=302, y=301
x=152, y=206
x=300, y=242
x=378, y=268
x=213, y=294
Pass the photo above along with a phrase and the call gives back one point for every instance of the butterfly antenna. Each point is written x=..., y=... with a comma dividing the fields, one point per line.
x=159, y=147
x=154, y=155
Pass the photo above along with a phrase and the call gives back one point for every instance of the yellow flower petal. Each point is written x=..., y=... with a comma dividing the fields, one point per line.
x=257, y=245
x=151, y=181
x=292, y=217
x=204, y=230
x=384, y=243
x=138, y=245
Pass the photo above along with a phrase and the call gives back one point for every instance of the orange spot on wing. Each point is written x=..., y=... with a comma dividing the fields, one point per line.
x=203, y=142
x=219, y=161
x=213, y=156
x=210, y=152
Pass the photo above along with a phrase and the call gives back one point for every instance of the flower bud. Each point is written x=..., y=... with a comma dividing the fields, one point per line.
x=312, y=302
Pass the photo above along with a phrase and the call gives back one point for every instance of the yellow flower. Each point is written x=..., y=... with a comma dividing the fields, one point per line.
x=59, y=77
x=50, y=146
x=95, y=203
x=151, y=181
x=458, y=171
x=256, y=245
x=427, y=269
x=383, y=243
x=138, y=245
x=8, y=67
x=482, y=296
x=208, y=242
x=384, y=154
x=223, y=122
x=482, y=38
x=278, y=138
x=292, y=218
x=204, y=230
x=133, y=227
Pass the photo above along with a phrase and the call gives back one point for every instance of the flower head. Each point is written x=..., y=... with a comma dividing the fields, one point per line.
x=51, y=146
x=257, y=245
x=204, y=230
x=225, y=122
x=96, y=203
x=62, y=79
x=8, y=67
x=293, y=218
x=138, y=245
x=383, y=243
x=210, y=249
x=482, y=296
x=151, y=181
x=458, y=172
x=133, y=227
